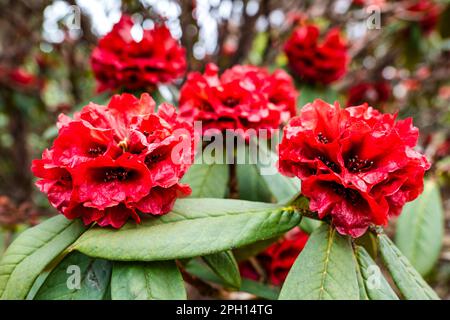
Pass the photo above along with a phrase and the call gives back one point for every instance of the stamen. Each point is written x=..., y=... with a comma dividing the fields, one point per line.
x=333, y=166
x=119, y=174
x=322, y=138
x=349, y=194
x=231, y=102
x=95, y=151
x=123, y=145
x=357, y=165
x=152, y=158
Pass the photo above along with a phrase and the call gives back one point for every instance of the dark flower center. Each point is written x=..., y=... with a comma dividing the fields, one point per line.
x=206, y=106
x=117, y=174
x=153, y=158
x=231, y=102
x=96, y=150
x=357, y=165
x=330, y=164
x=349, y=194
x=322, y=138
x=66, y=177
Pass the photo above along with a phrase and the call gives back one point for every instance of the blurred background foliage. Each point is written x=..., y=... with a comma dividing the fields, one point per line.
x=45, y=70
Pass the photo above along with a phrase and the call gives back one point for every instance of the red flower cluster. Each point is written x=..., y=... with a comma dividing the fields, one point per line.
x=313, y=61
x=374, y=93
x=277, y=259
x=427, y=13
x=109, y=163
x=120, y=62
x=379, y=3
x=356, y=164
x=243, y=97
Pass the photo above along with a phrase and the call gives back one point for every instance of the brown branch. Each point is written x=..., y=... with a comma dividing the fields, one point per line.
x=202, y=286
x=247, y=32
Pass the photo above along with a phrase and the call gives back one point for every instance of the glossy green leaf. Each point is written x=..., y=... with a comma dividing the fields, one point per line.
x=420, y=229
x=208, y=180
x=195, y=227
x=284, y=189
x=406, y=278
x=245, y=252
x=77, y=277
x=325, y=269
x=225, y=266
x=375, y=284
x=32, y=251
x=251, y=185
x=157, y=280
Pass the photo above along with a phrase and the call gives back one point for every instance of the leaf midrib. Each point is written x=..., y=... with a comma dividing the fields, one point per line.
x=327, y=259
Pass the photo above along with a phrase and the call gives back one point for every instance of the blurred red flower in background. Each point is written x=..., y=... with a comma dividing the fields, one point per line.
x=243, y=97
x=356, y=164
x=314, y=60
x=277, y=259
x=379, y=3
x=426, y=12
x=20, y=78
x=120, y=62
x=109, y=163
x=374, y=93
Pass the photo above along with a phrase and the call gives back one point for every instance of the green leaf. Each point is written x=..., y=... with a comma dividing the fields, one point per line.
x=225, y=266
x=62, y=284
x=325, y=269
x=407, y=279
x=208, y=180
x=261, y=290
x=310, y=93
x=251, y=185
x=32, y=251
x=194, y=227
x=309, y=225
x=284, y=189
x=375, y=284
x=362, y=289
x=157, y=280
x=420, y=229
x=245, y=252
x=2, y=242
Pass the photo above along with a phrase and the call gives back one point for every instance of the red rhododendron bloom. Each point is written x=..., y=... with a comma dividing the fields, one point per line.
x=111, y=163
x=277, y=259
x=120, y=62
x=374, y=93
x=243, y=97
x=315, y=60
x=357, y=165
x=20, y=78
x=426, y=12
